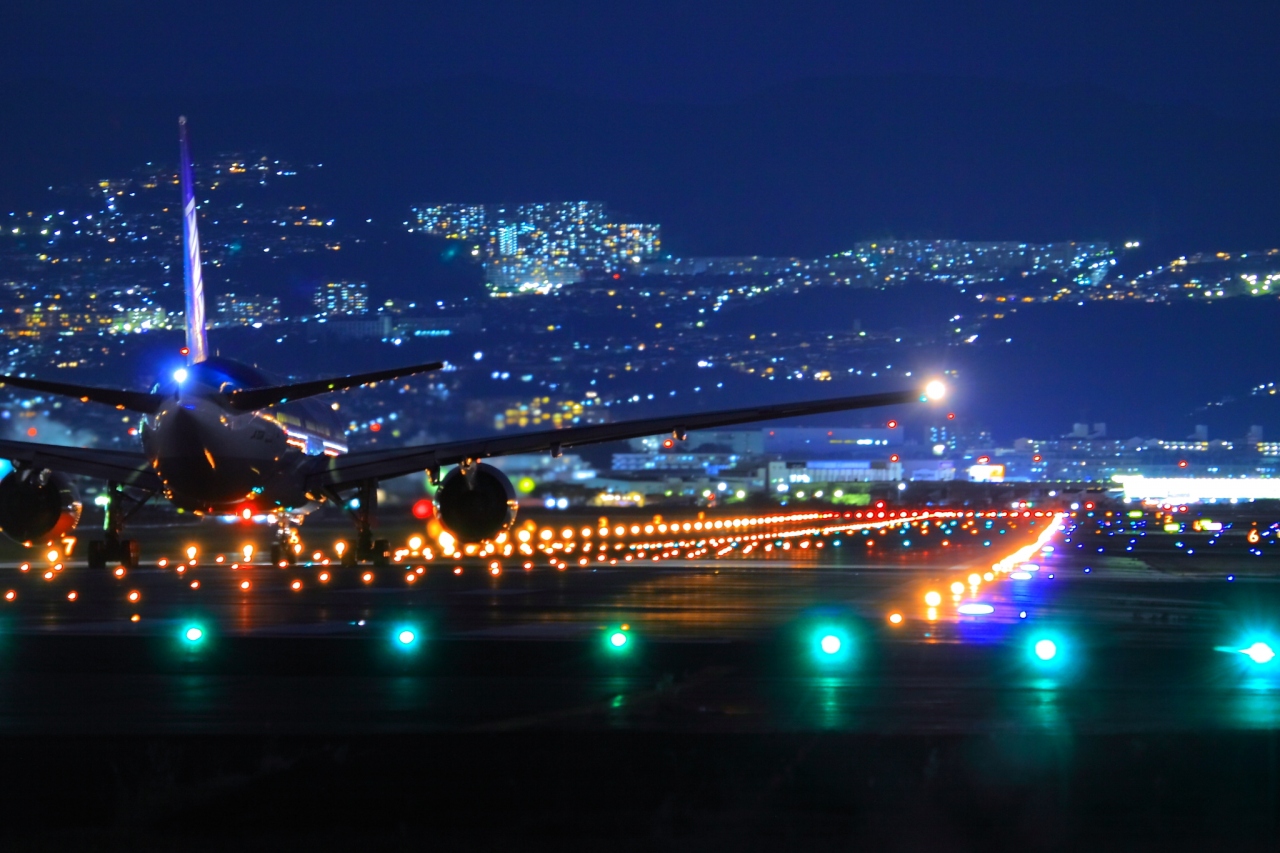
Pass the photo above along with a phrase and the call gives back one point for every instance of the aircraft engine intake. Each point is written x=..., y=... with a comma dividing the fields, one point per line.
x=37, y=506
x=476, y=506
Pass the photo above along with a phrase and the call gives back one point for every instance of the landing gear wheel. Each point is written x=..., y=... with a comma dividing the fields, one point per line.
x=128, y=553
x=122, y=551
x=280, y=553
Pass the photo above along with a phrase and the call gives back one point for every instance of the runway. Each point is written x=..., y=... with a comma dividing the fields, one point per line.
x=728, y=718
x=733, y=645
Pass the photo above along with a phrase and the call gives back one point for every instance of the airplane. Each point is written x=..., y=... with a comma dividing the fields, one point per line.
x=219, y=437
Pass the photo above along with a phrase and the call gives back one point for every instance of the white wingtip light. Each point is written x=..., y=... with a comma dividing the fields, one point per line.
x=935, y=390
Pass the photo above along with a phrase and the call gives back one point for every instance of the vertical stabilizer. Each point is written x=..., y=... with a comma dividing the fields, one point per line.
x=193, y=284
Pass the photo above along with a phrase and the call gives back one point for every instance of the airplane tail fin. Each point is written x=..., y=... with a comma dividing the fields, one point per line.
x=193, y=283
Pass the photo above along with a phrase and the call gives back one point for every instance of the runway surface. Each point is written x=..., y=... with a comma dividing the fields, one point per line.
x=704, y=645
x=756, y=702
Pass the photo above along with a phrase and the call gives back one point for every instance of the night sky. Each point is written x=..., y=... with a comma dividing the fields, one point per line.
x=1219, y=55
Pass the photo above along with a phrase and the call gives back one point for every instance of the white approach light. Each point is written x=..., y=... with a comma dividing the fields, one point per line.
x=935, y=390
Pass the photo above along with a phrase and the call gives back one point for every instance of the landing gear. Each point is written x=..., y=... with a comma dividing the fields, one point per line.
x=361, y=509
x=113, y=548
x=288, y=545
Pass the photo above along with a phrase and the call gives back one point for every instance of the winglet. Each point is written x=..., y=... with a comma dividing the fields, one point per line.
x=193, y=283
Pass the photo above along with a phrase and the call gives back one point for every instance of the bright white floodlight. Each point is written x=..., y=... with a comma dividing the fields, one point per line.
x=935, y=390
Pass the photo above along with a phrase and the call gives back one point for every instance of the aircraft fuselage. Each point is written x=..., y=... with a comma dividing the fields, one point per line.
x=214, y=458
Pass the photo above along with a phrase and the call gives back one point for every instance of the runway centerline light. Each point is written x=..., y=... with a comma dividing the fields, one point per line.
x=1259, y=653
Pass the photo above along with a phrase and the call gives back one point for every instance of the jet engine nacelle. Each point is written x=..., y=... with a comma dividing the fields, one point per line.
x=37, y=506
x=478, y=505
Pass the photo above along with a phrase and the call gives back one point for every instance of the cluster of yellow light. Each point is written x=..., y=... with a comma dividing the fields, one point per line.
x=1009, y=563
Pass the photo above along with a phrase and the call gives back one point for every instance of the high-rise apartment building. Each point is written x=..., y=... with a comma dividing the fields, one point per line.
x=541, y=247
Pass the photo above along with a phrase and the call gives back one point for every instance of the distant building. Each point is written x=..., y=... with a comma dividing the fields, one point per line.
x=342, y=298
x=544, y=246
x=232, y=310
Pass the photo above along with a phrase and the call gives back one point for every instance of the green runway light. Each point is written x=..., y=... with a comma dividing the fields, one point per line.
x=406, y=637
x=193, y=634
x=830, y=644
x=1259, y=653
x=1046, y=650
x=617, y=640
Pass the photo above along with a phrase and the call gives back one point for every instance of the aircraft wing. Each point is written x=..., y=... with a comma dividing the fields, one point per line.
x=118, y=466
x=340, y=471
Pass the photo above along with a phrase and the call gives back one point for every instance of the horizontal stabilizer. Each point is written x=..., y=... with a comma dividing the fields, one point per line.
x=249, y=399
x=134, y=401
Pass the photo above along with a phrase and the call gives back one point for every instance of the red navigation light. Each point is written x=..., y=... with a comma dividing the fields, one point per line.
x=951, y=416
x=617, y=275
x=375, y=427
x=668, y=443
x=893, y=458
x=32, y=431
x=983, y=460
x=246, y=513
x=1036, y=458
x=892, y=425
x=423, y=509
x=185, y=351
x=1182, y=463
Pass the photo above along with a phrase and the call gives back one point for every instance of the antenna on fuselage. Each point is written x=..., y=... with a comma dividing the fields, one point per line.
x=193, y=283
